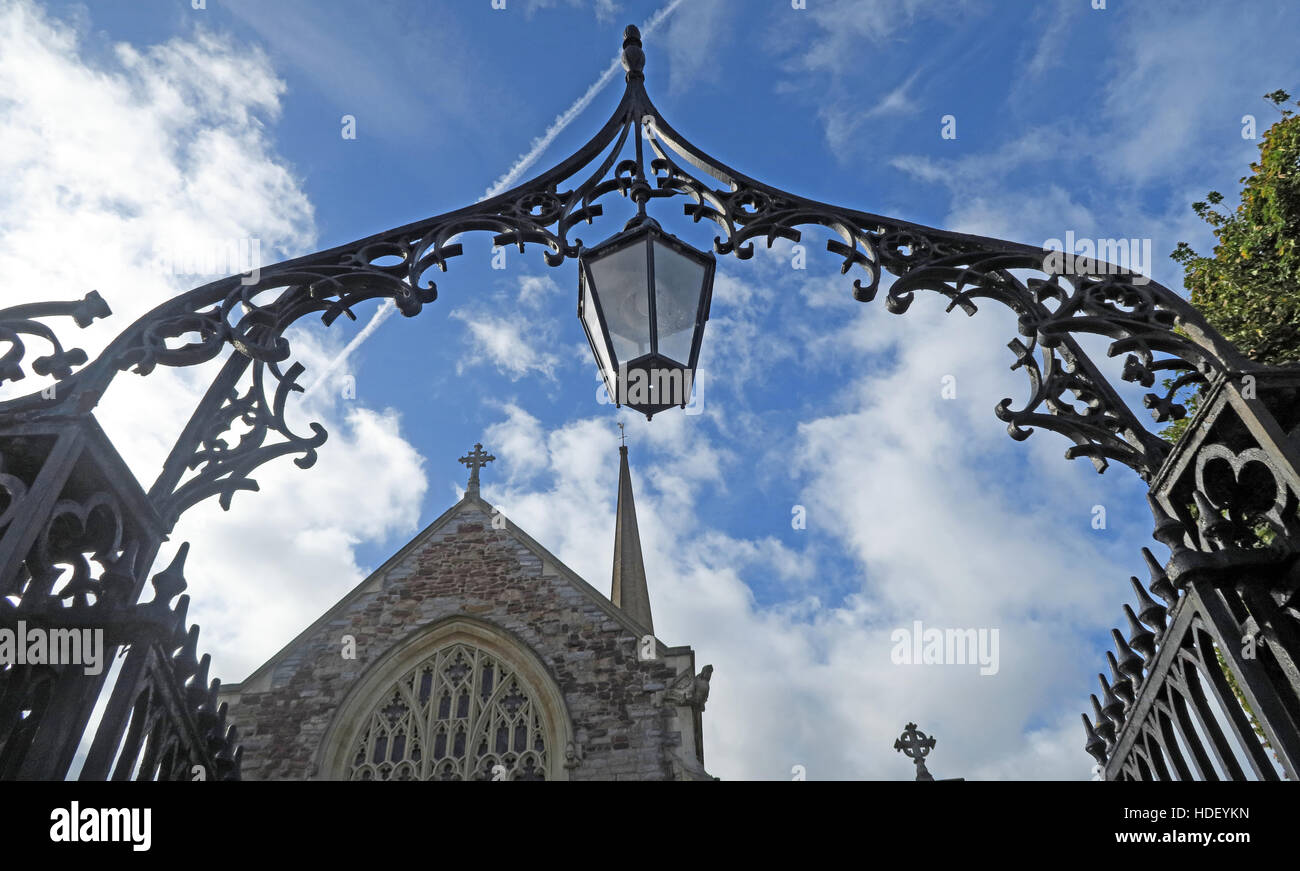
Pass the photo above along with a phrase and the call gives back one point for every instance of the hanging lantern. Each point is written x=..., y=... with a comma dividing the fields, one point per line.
x=643, y=297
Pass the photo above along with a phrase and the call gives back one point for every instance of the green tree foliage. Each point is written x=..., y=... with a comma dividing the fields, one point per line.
x=1249, y=290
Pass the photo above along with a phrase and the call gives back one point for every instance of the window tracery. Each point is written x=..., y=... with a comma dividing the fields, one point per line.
x=461, y=714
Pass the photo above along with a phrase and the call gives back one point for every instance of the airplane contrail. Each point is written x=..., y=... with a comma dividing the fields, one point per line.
x=502, y=184
x=541, y=143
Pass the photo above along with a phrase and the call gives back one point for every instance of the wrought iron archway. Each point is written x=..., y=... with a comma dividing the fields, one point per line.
x=66, y=498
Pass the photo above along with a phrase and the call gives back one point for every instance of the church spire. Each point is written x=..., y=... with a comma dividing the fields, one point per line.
x=630, y=591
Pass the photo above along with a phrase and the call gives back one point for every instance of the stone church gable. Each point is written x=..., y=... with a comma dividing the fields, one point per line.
x=598, y=710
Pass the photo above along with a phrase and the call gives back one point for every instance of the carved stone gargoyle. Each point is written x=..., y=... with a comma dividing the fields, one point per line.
x=691, y=690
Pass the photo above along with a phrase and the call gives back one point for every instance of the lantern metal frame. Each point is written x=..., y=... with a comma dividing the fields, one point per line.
x=646, y=231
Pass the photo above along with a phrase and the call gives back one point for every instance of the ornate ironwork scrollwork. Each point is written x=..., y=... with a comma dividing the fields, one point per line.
x=1236, y=488
x=76, y=533
x=12, y=491
x=23, y=320
x=1156, y=329
x=224, y=468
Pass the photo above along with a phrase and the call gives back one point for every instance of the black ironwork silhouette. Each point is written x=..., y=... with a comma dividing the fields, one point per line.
x=66, y=499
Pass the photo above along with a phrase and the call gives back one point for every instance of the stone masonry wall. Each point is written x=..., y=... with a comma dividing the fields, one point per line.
x=469, y=568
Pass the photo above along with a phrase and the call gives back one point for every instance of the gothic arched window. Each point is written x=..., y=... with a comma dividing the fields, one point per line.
x=462, y=713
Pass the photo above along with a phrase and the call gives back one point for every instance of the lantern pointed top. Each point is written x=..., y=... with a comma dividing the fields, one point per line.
x=633, y=55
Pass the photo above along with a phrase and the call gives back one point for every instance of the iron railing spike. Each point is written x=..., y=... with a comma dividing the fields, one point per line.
x=1151, y=612
x=1105, y=728
x=170, y=582
x=185, y=661
x=1169, y=530
x=1120, y=683
x=198, y=687
x=1095, y=746
x=179, y=613
x=1214, y=527
x=1129, y=662
x=1140, y=638
x=1160, y=584
x=1112, y=707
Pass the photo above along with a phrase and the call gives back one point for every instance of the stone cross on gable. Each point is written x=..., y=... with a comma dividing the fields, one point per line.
x=475, y=460
x=915, y=745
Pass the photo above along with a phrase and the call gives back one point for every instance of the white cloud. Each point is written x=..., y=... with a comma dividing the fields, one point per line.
x=509, y=342
x=605, y=10
x=1053, y=46
x=692, y=40
x=844, y=118
x=519, y=444
x=536, y=290
x=109, y=162
x=1180, y=82
x=846, y=24
x=897, y=101
x=843, y=55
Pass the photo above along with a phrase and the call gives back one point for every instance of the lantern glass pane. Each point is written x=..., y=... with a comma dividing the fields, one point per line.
x=592, y=321
x=679, y=281
x=624, y=290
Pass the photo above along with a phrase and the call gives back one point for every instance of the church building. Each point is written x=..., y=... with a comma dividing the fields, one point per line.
x=475, y=654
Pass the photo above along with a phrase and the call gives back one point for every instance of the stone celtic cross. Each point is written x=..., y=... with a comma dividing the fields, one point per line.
x=915, y=745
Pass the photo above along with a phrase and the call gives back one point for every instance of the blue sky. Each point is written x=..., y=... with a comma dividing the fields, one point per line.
x=130, y=123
